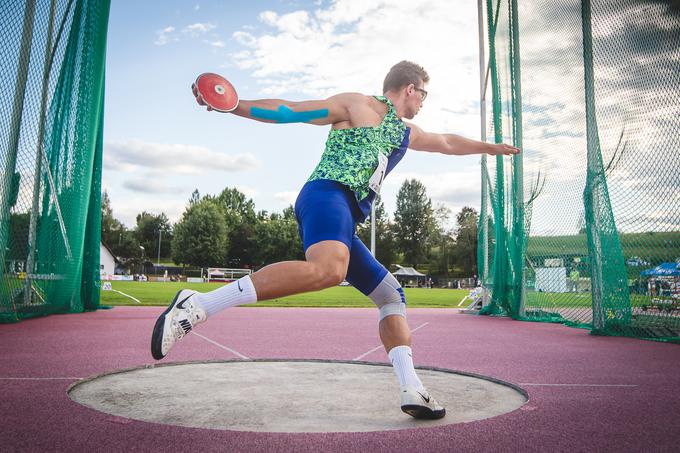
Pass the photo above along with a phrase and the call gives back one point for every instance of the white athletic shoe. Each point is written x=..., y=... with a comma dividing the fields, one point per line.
x=420, y=404
x=175, y=322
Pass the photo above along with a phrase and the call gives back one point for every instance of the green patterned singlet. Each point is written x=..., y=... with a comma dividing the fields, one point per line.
x=351, y=155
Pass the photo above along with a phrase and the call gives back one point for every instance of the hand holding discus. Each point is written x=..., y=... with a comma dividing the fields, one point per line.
x=215, y=92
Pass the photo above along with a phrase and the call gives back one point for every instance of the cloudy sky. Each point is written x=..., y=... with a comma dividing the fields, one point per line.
x=160, y=146
x=636, y=51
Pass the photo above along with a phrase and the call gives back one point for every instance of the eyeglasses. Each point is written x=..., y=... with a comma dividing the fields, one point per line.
x=423, y=93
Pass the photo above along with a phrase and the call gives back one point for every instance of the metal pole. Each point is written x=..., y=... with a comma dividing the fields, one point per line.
x=518, y=168
x=160, y=234
x=483, y=216
x=483, y=71
x=498, y=202
x=30, y=260
x=373, y=228
x=483, y=219
x=15, y=128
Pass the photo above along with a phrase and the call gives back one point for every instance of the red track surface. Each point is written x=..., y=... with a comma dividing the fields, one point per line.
x=636, y=406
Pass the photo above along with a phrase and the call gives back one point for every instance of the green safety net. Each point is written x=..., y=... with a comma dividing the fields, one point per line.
x=583, y=227
x=52, y=56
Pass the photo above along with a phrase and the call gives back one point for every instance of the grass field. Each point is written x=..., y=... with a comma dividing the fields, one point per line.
x=159, y=293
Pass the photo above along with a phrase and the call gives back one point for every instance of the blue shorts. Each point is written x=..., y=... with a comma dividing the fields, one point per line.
x=328, y=211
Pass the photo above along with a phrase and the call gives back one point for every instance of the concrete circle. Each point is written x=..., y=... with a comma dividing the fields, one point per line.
x=289, y=396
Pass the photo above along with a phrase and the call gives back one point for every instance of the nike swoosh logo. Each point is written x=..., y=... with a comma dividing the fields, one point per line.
x=181, y=304
x=427, y=400
x=238, y=284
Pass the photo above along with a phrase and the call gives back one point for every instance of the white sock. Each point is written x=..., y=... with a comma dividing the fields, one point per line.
x=235, y=293
x=402, y=362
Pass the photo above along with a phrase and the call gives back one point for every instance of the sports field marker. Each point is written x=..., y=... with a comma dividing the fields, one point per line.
x=380, y=346
x=126, y=295
x=106, y=286
x=221, y=346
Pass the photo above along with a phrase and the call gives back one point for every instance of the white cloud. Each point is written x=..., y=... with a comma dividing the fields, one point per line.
x=171, y=34
x=133, y=155
x=248, y=191
x=350, y=45
x=453, y=189
x=286, y=198
x=151, y=184
x=216, y=43
x=165, y=36
x=126, y=208
x=197, y=29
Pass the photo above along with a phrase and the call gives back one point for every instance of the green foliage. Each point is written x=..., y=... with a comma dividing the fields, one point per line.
x=240, y=218
x=147, y=231
x=276, y=239
x=201, y=236
x=111, y=227
x=466, y=240
x=123, y=243
x=442, y=244
x=413, y=221
x=226, y=231
x=385, y=244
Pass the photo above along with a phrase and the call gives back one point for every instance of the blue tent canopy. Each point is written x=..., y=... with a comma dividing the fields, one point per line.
x=663, y=270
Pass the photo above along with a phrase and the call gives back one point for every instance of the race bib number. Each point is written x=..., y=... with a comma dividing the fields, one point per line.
x=379, y=174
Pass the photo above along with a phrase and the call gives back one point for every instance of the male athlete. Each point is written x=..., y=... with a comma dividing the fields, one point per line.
x=366, y=140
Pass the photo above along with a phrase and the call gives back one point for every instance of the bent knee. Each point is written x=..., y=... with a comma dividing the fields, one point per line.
x=389, y=297
x=327, y=276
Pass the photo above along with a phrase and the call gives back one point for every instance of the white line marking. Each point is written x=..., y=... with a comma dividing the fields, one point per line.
x=380, y=346
x=39, y=378
x=367, y=353
x=420, y=327
x=126, y=295
x=221, y=346
x=579, y=385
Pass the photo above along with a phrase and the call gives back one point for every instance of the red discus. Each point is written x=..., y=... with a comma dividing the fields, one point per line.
x=216, y=92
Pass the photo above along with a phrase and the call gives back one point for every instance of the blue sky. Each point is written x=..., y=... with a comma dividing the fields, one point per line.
x=160, y=146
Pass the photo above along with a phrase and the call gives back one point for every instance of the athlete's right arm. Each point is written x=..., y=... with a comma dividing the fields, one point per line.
x=322, y=112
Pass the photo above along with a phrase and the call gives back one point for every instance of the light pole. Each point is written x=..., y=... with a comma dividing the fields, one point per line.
x=141, y=247
x=160, y=234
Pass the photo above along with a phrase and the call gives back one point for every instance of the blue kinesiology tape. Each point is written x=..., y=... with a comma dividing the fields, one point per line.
x=285, y=115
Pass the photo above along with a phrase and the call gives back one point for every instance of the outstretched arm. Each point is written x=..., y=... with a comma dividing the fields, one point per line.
x=454, y=144
x=322, y=112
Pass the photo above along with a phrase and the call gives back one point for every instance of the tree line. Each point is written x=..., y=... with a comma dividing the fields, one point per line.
x=226, y=230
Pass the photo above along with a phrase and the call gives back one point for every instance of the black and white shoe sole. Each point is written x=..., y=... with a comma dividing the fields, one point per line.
x=159, y=328
x=423, y=412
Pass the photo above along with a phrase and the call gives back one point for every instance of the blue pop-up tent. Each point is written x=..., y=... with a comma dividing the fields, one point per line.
x=663, y=270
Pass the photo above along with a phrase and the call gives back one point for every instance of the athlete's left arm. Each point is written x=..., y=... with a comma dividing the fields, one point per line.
x=454, y=144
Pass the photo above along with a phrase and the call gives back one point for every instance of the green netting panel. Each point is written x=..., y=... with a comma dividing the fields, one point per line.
x=51, y=104
x=591, y=92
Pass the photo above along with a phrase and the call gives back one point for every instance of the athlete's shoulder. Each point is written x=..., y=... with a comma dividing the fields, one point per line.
x=415, y=130
x=351, y=98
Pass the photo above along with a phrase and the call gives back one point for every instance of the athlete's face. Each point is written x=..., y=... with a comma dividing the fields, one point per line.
x=415, y=95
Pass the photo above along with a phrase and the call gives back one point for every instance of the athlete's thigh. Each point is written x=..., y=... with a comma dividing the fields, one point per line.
x=324, y=214
x=364, y=271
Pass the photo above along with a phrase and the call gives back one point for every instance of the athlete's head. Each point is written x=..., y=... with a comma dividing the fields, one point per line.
x=406, y=83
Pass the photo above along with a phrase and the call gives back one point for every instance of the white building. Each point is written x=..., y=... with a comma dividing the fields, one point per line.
x=107, y=262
